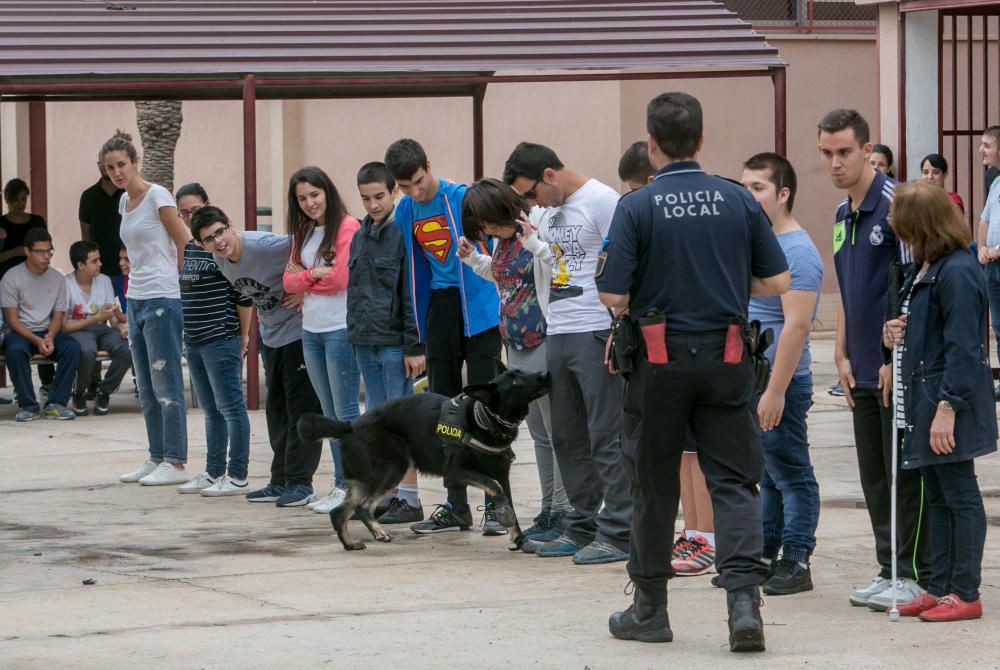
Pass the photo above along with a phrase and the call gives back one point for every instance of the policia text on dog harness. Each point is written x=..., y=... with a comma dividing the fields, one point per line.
x=453, y=432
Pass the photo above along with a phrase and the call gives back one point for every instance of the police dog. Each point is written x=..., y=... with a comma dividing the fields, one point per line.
x=465, y=439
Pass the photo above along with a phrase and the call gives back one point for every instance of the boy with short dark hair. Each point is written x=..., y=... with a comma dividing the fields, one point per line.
x=634, y=167
x=380, y=322
x=864, y=249
x=456, y=311
x=586, y=400
x=96, y=324
x=33, y=298
x=789, y=493
x=254, y=263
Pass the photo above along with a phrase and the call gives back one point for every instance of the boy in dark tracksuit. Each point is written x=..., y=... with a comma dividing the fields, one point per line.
x=380, y=323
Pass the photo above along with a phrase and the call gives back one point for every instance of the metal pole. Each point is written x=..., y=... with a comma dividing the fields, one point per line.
x=477, y=131
x=780, y=111
x=38, y=176
x=250, y=221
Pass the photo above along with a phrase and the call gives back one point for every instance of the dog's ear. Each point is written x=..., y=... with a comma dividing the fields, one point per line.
x=482, y=392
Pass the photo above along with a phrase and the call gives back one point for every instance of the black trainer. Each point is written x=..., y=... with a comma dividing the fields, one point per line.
x=644, y=620
x=92, y=389
x=746, y=628
x=101, y=403
x=444, y=519
x=79, y=405
x=489, y=524
x=789, y=577
x=400, y=511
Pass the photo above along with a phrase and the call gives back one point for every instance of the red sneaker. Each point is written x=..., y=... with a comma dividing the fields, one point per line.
x=697, y=559
x=921, y=603
x=953, y=608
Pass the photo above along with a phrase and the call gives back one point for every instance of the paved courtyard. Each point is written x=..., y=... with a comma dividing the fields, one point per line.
x=97, y=574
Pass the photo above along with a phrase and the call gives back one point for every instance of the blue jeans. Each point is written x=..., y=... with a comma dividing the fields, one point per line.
x=215, y=374
x=789, y=493
x=957, y=529
x=154, y=336
x=384, y=373
x=334, y=375
x=19, y=351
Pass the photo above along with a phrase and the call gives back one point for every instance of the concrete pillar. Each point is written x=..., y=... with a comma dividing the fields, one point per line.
x=14, y=140
x=922, y=95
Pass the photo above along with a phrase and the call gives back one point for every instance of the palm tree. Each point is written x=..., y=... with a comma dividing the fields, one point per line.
x=159, y=128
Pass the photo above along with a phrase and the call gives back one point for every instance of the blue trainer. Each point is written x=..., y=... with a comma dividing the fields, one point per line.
x=268, y=494
x=561, y=546
x=598, y=552
x=296, y=495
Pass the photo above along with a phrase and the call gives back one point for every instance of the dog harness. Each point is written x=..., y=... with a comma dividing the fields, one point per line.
x=452, y=431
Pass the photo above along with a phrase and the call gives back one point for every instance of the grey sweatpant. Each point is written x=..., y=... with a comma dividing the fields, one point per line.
x=540, y=427
x=106, y=339
x=586, y=402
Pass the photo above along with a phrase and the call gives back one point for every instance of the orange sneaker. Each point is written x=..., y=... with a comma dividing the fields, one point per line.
x=953, y=608
x=921, y=603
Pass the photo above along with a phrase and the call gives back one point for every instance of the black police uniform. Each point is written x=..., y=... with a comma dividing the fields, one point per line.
x=685, y=247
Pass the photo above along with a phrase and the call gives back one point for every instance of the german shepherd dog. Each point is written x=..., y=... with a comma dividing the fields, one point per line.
x=466, y=439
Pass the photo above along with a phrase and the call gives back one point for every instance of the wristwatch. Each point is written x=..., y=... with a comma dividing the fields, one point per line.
x=944, y=404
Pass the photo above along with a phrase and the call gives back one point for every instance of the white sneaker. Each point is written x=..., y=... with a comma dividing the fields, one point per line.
x=323, y=499
x=907, y=591
x=139, y=472
x=331, y=502
x=164, y=475
x=224, y=486
x=202, y=481
x=861, y=597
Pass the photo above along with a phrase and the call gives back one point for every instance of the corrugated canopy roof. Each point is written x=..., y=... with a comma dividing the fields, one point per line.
x=89, y=40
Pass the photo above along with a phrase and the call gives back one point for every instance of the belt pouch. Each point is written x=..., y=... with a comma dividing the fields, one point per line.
x=734, y=344
x=654, y=333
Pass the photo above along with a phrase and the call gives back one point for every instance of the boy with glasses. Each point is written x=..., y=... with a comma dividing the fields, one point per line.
x=254, y=263
x=33, y=298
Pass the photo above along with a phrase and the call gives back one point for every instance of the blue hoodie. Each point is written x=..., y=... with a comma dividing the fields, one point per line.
x=480, y=302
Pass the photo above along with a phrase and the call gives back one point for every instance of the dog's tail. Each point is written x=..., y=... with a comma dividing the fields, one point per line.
x=314, y=427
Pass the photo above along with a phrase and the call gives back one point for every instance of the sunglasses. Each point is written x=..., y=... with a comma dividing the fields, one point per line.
x=532, y=192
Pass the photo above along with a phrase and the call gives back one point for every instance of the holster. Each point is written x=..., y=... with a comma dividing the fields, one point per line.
x=625, y=343
x=758, y=342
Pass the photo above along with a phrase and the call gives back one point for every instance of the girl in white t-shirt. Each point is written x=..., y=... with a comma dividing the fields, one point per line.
x=321, y=232
x=155, y=238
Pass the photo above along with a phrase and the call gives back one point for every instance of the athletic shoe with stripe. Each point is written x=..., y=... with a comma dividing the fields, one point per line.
x=696, y=559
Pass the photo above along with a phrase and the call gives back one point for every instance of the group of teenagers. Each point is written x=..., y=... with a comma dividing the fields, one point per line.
x=446, y=276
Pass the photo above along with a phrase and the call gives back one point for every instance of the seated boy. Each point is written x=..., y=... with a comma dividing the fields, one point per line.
x=33, y=298
x=96, y=324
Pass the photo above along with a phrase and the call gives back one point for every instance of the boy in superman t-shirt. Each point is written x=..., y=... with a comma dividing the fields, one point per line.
x=457, y=312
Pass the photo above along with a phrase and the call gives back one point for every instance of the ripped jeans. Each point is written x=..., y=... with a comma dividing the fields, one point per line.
x=154, y=336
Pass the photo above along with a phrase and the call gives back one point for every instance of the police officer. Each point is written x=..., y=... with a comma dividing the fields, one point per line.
x=683, y=256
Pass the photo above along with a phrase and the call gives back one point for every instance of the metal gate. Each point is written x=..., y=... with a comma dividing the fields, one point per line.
x=969, y=98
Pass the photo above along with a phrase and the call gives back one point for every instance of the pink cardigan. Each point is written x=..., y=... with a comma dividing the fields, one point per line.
x=336, y=281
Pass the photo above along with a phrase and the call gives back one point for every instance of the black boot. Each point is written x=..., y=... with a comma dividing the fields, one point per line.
x=644, y=620
x=746, y=628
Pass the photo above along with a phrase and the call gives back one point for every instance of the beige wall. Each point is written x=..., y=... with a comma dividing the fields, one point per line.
x=588, y=124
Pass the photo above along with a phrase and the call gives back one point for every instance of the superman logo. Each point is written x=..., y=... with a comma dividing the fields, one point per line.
x=434, y=236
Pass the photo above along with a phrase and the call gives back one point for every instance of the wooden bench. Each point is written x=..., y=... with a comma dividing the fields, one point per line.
x=102, y=356
x=38, y=359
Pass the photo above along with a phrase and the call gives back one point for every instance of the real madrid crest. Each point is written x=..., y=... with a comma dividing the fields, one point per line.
x=876, y=237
